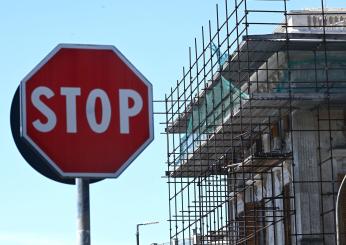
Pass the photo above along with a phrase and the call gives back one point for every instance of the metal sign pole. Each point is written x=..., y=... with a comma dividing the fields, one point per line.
x=83, y=208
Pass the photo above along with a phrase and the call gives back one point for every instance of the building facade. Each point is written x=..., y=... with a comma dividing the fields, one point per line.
x=256, y=128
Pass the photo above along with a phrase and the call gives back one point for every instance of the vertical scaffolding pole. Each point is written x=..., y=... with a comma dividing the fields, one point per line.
x=83, y=209
x=243, y=164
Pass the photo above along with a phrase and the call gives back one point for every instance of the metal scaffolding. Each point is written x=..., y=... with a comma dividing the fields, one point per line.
x=256, y=127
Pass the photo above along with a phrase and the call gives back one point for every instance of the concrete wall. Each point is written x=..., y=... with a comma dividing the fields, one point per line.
x=319, y=154
x=306, y=175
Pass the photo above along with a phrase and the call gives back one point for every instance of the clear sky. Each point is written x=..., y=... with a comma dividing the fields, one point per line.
x=154, y=35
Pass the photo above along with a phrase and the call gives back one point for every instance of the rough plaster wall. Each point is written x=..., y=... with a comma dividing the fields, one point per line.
x=332, y=143
x=306, y=169
x=275, y=233
x=279, y=225
x=270, y=237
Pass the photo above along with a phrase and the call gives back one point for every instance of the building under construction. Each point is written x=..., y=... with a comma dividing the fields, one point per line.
x=256, y=128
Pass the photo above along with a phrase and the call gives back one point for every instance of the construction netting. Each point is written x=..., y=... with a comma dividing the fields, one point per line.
x=219, y=102
x=302, y=72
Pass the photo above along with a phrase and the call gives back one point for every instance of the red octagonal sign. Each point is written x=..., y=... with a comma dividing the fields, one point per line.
x=86, y=110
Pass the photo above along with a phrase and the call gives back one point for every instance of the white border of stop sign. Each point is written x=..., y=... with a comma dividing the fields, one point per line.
x=42, y=153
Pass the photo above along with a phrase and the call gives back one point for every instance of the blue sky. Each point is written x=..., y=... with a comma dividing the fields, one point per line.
x=154, y=35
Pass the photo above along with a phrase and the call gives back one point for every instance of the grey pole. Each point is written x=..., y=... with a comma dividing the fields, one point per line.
x=137, y=234
x=137, y=230
x=340, y=229
x=83, y=218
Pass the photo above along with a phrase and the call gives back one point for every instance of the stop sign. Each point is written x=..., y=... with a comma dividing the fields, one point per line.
x=87, y=110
